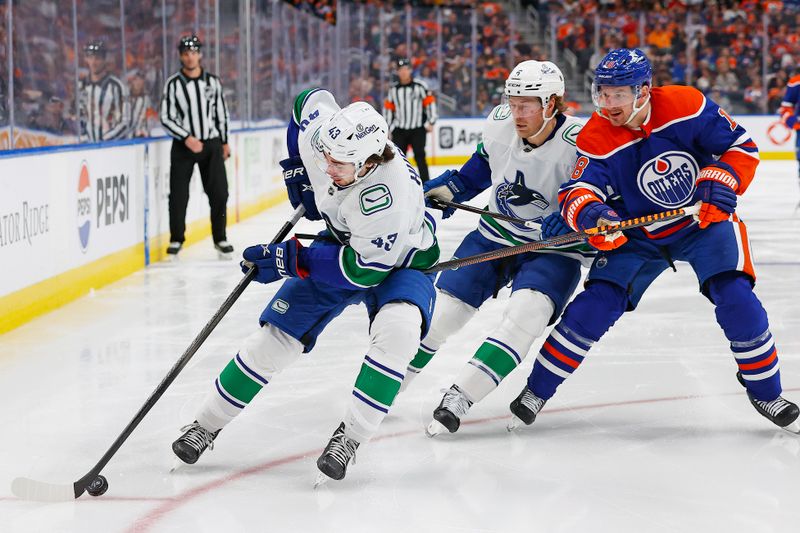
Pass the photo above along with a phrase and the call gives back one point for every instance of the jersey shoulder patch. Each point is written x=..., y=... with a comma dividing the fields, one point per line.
x=570, y=129
x=374, y=199
x=793, y=81
x=498, y=129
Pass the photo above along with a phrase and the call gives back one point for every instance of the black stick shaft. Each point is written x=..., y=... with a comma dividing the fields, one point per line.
x=82, y=483
x=564, y=239
x=479, y=211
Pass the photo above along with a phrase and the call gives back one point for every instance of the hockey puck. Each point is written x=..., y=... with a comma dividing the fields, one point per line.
x=98, y=486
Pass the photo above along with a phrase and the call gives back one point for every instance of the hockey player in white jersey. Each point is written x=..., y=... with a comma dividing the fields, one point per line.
x=342, y=168
x=528, y=150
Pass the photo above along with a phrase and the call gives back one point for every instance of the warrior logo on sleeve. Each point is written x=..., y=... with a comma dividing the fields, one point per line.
x=668, y=179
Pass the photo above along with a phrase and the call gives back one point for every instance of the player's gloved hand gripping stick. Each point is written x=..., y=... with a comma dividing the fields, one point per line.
x=567, y=238
x=93, y=482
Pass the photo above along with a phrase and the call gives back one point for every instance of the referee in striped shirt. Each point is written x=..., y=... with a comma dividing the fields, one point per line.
x=103, y=98
x=194, y=113
x=410, y=111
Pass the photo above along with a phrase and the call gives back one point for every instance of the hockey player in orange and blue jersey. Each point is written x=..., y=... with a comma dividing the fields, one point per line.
x=648, y=150
x=790, y=112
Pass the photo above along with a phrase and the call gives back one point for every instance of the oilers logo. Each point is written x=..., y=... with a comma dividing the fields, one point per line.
x=668, y=179
x=516, y=200
x=84, y=206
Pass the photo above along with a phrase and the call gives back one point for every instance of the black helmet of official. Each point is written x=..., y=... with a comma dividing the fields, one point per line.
x=403, y=62
x=95, y=48
x=189, y=42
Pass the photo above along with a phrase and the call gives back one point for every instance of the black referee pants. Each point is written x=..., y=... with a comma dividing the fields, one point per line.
x=215, y=184
x=416, y=138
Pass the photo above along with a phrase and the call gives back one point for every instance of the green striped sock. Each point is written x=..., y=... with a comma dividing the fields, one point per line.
x=239, y=382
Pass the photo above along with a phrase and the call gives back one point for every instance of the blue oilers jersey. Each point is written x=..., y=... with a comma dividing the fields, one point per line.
x=655, y=168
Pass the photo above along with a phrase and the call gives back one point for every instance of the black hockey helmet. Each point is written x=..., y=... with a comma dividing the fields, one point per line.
x=95, y=48
x=403, y=62
x=189, y=42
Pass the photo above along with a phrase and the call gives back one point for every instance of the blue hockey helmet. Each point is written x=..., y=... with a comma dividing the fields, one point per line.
x=624, y=66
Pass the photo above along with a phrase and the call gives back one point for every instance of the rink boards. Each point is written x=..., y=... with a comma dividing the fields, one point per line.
x=75, y=219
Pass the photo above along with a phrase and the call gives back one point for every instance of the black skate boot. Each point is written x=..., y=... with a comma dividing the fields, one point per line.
x=779, y=411
x=224, y=249
x=191, y=445
x=525, y=408
x=336, y=456
x=448, y=415
x=173, y=249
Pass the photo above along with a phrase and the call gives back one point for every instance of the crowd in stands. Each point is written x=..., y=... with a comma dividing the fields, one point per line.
x=717, y=47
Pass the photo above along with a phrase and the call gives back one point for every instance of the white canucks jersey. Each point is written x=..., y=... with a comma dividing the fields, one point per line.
x=381, y=218
x=526, y=179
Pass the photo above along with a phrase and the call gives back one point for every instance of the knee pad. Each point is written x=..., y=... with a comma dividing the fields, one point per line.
x=596, y=309
x=739, y=312
x=270, y=350
x=394, y=332
x=449, y=316
x=528, y=311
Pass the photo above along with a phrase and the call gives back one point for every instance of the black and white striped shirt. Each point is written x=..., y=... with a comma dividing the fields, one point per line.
x=194, y=106
x=139, y=124
x=410, y=106
x=105, y=113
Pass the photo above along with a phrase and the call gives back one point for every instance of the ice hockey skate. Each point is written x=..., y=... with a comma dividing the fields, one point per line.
x=336, y=456
x=224, y=250
x=173, y=249
x=448, y=415
x=524, y=409
x=779, y=411
x=191, y=445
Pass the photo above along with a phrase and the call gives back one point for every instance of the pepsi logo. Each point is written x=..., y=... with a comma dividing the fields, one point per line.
x=668, y=179
x=84, y=206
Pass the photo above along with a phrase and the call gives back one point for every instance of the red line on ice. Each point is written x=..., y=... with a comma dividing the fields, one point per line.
x=147, y=521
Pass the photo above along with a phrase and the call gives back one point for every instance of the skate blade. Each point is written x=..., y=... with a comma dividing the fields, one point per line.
x=176, y=465
x=321, y=480
x=793, y=428
x=171, y=258
x=434, y=428
x=514, y=424
x=222, y=256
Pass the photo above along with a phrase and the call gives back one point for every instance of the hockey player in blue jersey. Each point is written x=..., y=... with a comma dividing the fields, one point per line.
x=343, y=169
x=648, y=150
x=527, y=152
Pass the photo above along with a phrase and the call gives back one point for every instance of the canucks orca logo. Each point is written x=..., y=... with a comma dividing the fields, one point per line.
x=517, y=200
x=668, y=179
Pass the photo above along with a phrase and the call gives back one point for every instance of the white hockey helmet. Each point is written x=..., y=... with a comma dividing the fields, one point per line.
x=353, y=134
x=535, y=78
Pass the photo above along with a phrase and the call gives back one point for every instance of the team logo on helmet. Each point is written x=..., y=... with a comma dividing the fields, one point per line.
x=609, y=64
x=668, y=179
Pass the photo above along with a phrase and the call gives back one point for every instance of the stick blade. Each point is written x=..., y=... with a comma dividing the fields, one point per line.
x=39, y=491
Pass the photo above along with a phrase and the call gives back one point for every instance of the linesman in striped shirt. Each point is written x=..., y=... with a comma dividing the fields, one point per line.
x=105, y=113
x=194, y=113
x=410, y=111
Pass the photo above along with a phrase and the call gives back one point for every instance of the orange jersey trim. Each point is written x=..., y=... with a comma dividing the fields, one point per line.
x=670, y=104
x=744, y=164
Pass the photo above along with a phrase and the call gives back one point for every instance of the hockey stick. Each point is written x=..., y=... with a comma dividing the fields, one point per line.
x=565, y=238
x=441, y=204
x=30, y=489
